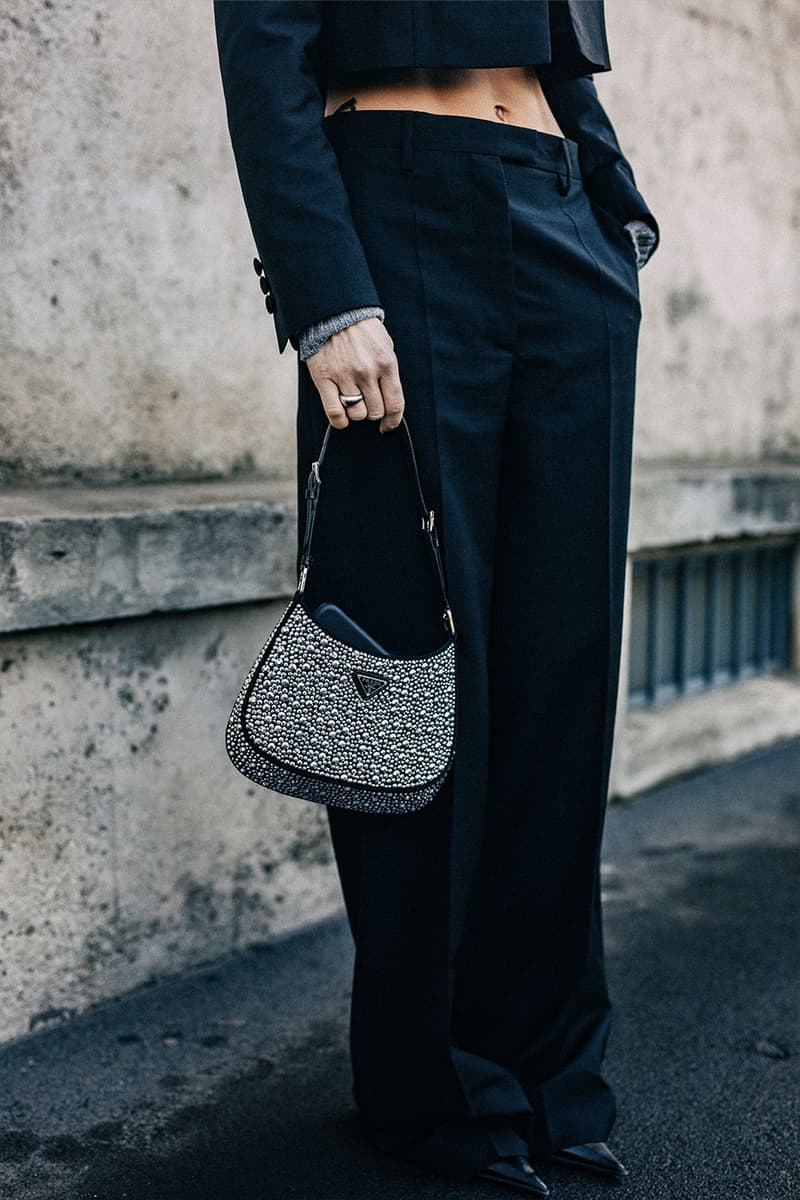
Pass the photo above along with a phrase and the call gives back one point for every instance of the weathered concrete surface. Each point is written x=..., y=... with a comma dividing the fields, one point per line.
x=665, y=742
x=69, y=555
x=130, y=847
x=235, y=1080
x=135, y=341
x=677, y=504
x=72, y=554
x=709, y=115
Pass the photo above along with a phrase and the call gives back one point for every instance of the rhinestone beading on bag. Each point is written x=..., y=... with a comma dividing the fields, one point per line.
x=303, y=725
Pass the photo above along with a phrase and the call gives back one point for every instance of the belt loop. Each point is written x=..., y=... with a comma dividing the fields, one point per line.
x=564, y=187
x=406, y=142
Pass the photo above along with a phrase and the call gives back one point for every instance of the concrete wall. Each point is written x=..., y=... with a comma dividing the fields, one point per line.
x=129, y=846
x=132, y=317
x=704, y=99
x=136, y=351
x=135, y=343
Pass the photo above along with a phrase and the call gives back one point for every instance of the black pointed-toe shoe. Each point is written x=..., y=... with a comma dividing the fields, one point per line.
x=590, y=1156
x=516, y=1172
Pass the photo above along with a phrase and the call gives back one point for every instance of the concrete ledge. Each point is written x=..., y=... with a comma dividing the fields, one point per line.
x=674, y=504
x=695, y=732
x=69, y=555
x=72, y=554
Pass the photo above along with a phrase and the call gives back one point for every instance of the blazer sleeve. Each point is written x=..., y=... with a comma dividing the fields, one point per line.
x=297, y=204
x=607, y=174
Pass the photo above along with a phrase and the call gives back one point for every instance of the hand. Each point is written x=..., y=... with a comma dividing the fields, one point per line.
x=643, y=237
x=359, y=358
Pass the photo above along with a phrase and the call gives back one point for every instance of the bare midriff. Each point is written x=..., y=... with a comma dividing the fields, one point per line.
x=511, y=95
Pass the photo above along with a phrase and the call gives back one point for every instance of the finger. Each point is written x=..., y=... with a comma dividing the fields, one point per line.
x=356, y=412
x=393, y=398
x=334, y=409
x=350, y=385
x=373, y=397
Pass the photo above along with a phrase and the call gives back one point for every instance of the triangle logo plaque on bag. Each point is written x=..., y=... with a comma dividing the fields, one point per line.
x=369, y=685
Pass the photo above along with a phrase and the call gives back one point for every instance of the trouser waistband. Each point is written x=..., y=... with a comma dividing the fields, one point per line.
x=412, y=128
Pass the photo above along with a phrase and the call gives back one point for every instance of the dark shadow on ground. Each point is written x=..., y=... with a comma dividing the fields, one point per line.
x=234, y=1083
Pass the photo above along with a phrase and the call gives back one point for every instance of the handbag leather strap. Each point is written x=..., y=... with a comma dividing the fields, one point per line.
x=428, y=521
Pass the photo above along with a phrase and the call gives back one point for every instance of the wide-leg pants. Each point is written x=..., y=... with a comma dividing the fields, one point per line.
x=480, y=1012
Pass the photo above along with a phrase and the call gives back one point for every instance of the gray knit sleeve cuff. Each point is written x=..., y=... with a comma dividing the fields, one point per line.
x=643, y=237
x=316, y=335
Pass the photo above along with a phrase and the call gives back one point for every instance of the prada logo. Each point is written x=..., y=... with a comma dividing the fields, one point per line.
x=369, y=685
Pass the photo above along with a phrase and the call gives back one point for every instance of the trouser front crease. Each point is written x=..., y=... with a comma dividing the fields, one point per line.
x=480, y=1013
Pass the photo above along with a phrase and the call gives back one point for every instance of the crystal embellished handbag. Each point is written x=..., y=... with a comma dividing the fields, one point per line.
x=322, y=720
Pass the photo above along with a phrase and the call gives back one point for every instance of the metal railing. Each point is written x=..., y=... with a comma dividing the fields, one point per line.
x=705, y=616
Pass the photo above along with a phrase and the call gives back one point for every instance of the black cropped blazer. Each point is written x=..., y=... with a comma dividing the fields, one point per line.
x=275, y=59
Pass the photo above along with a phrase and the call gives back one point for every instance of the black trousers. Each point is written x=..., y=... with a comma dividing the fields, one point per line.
x=480, y=1011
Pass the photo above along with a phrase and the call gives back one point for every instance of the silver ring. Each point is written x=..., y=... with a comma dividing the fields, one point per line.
x=348, y=400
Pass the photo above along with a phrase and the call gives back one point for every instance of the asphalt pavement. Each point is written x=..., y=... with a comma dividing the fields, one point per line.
x=233, y=1082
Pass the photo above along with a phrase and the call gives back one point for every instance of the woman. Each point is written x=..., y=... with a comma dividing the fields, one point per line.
x=447, y=230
